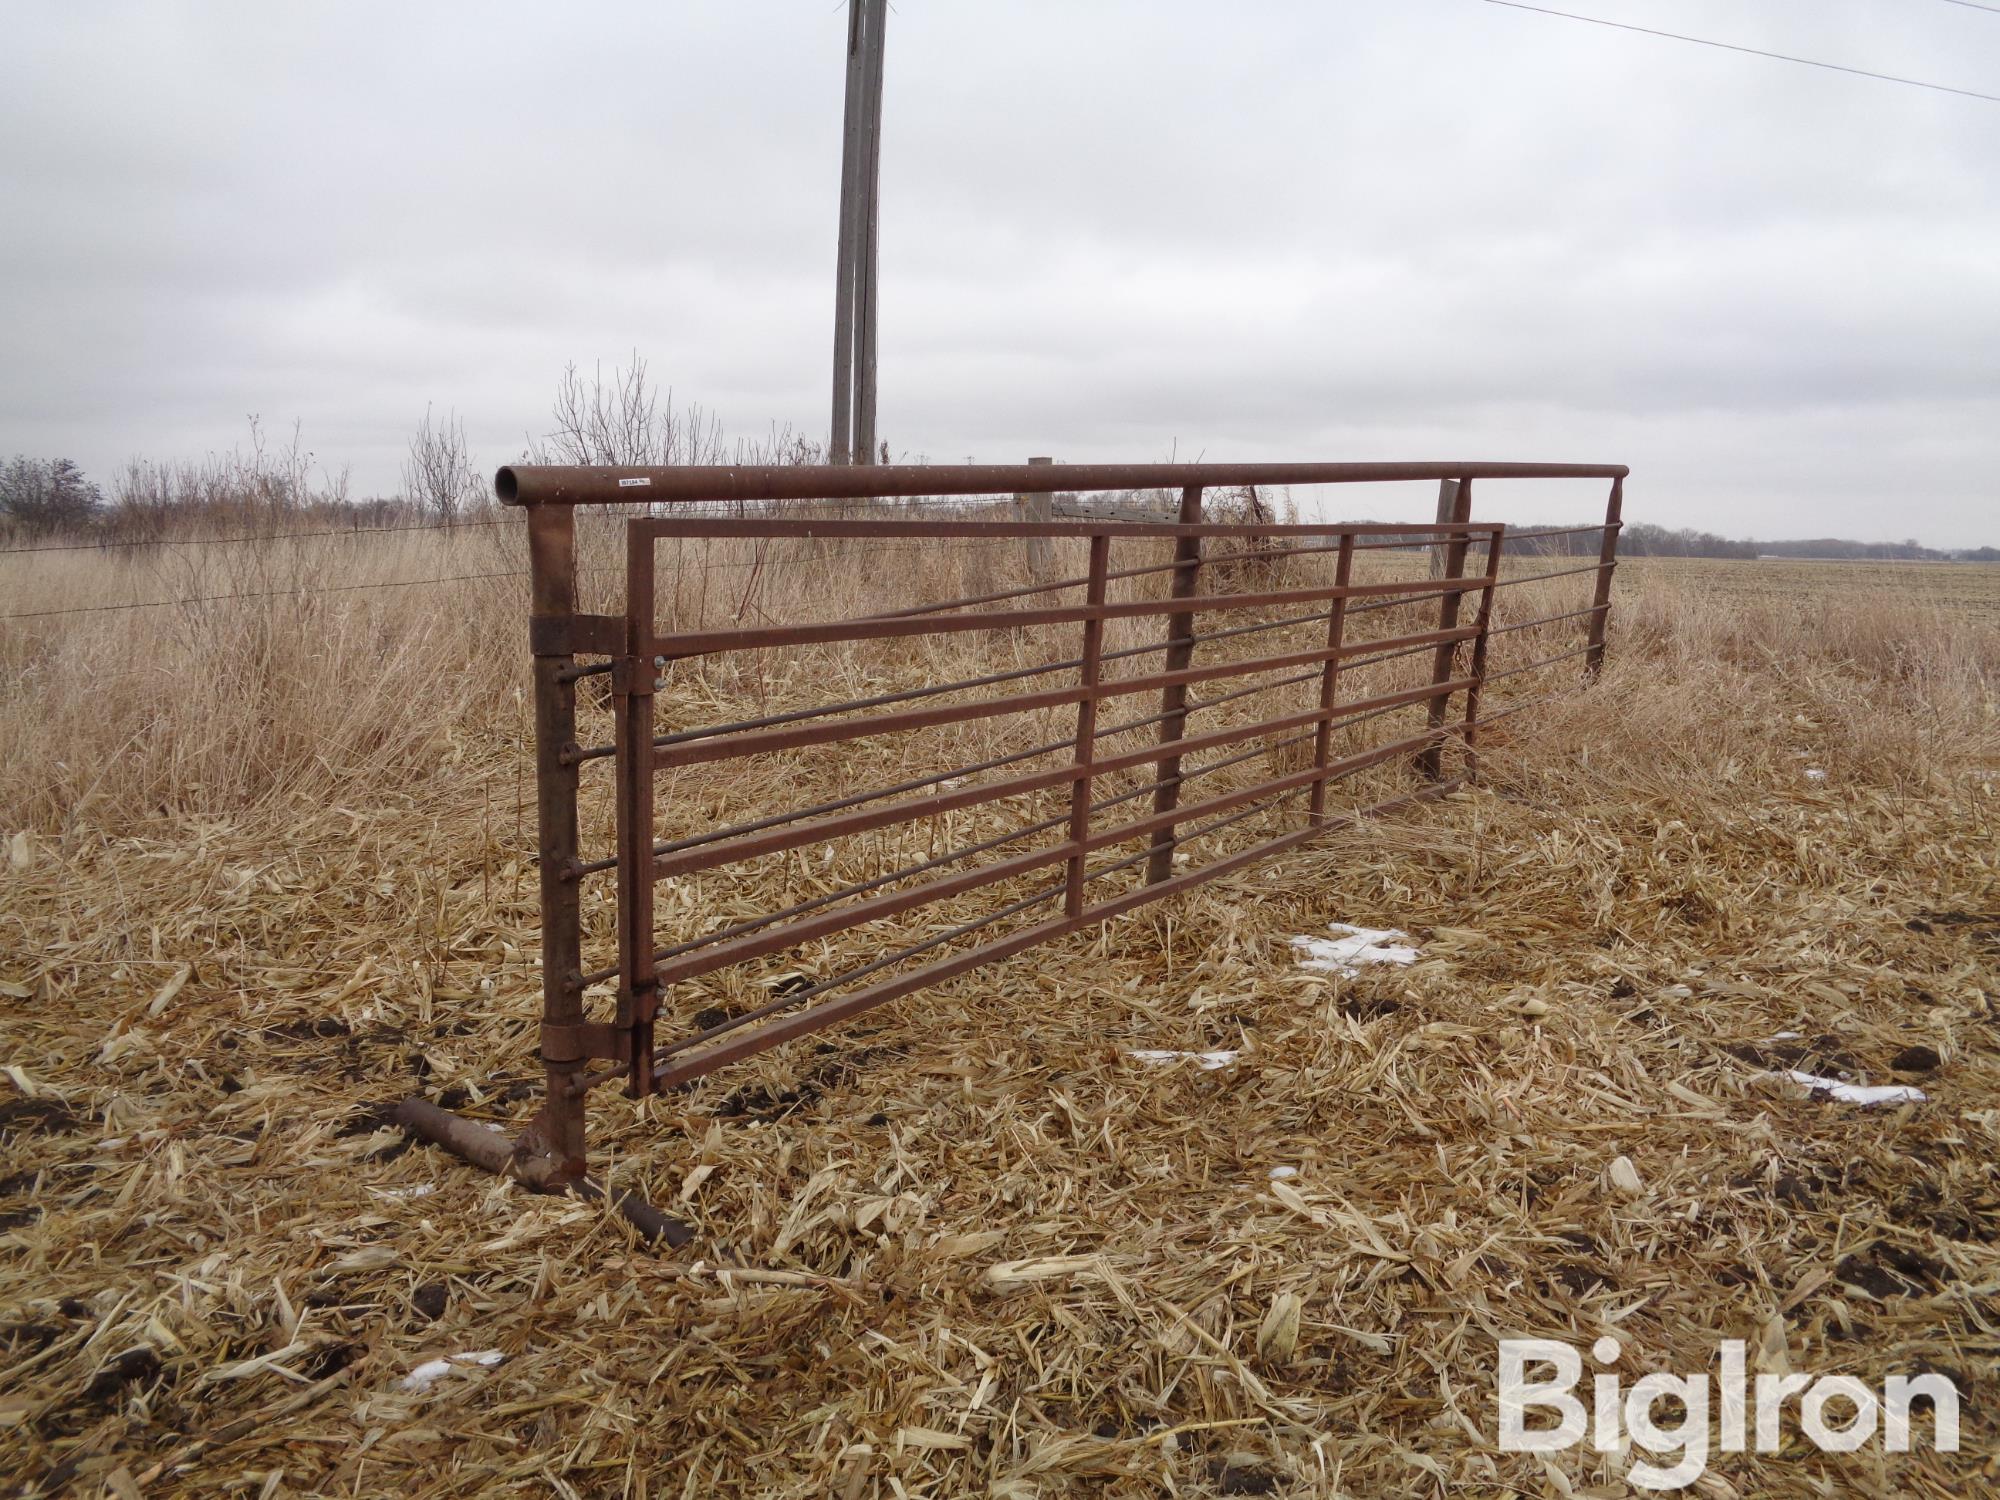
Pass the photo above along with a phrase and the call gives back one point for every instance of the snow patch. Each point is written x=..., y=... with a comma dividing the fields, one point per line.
x=421, y=1190
x=1858, y=1093
x=1209, y=1061
x=431, y=1371
x=1814, y=773
x=1279, y=1173
x=1351, y=947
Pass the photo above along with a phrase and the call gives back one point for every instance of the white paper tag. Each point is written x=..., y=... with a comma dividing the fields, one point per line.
x=626, y=484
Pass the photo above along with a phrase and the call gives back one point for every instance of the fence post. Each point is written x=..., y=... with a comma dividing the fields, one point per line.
x=556, y=1134
x=1607, y=564
x=1038, y=510
x=1086, y=722
x=1336, y=624
x=1173, y=697
x=1482, y=625
x=632, y=686
x=1447, y=508
x=1430, y=759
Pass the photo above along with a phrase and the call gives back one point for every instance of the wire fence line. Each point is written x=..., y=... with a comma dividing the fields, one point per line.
x=706, y=566
x=338, y=588
x=109, y=544
x=843, y=548
x=260, y=536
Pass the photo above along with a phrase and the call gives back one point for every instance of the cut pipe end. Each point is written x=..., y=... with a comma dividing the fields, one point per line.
x=505, y=486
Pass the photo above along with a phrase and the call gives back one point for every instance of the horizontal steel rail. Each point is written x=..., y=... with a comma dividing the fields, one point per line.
x=682, y=863
x=884, y=627
x=550, y=484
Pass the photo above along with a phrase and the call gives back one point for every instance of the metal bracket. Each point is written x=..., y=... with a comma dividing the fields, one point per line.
x=631, y=677
x=587, y=1040
x=576, y=635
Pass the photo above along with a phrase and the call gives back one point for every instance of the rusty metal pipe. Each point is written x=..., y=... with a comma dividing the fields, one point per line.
x=916, y=809
x=1346, y=716
x=1014, y=908
x=777, y=820
x=987, y=846
x=762, y=1040
x=553, y=484
x=759, y=742
x=893, y=903
x=1430, y=762
x=1607, y=564
x=495, y=1151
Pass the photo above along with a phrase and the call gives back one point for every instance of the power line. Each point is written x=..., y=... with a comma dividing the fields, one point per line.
x=338, y=588
x=1702, y=41
x=1975, y=5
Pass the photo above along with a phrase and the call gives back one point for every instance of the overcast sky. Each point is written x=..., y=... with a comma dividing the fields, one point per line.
x=1323, y=229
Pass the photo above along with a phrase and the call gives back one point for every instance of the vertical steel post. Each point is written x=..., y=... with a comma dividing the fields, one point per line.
x=1607, y=564
x=1430, y=760
x=1478, y=673
x=556, y=1135
x=1173, y=697
x=1329, y=681
x=632, y=683
x=1086, y=722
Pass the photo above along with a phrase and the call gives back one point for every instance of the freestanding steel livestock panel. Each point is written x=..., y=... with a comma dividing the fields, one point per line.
x=1075, y=827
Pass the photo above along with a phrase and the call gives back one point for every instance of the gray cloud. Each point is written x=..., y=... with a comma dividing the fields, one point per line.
x=1431, y=229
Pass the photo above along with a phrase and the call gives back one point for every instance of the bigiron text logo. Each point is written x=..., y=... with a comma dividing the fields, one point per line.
x=1836, y=1413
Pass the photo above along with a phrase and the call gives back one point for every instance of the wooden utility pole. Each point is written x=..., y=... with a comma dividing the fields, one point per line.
x=1447, y=507
x=1039, y=510
x=853, y=432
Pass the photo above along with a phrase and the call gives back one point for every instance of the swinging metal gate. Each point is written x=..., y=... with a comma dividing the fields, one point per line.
x=1105, y=826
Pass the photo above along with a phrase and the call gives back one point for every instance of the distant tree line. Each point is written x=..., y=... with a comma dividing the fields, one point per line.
x=47, y=495
x=1643, y=539
x=614, y=417
x=620, y=419
x=1638, y=539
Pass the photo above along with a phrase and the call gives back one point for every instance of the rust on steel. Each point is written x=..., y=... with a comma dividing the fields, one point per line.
x=555, y=1138
x=1482, y=635
x=1088, y=828
x=1086, y=725
x=826, y=923
x=1336, y=626
x=632, y=688
x=556, y=484
x=1430, y=761
x=1607, y=562
x=1173, y=697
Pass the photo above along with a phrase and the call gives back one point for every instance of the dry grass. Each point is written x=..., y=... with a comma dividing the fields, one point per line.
x=277, y=870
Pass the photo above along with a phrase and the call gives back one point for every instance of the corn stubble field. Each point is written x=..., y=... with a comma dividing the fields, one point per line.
x=270, y=867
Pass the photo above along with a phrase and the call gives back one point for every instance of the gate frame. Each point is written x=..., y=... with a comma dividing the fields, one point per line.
x=549, y=1155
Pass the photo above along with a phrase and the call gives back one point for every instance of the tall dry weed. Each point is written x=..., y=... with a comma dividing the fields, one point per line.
x=337, y=668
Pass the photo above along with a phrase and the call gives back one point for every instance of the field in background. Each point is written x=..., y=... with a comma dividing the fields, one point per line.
x=1970, y=589
x=270, y=864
